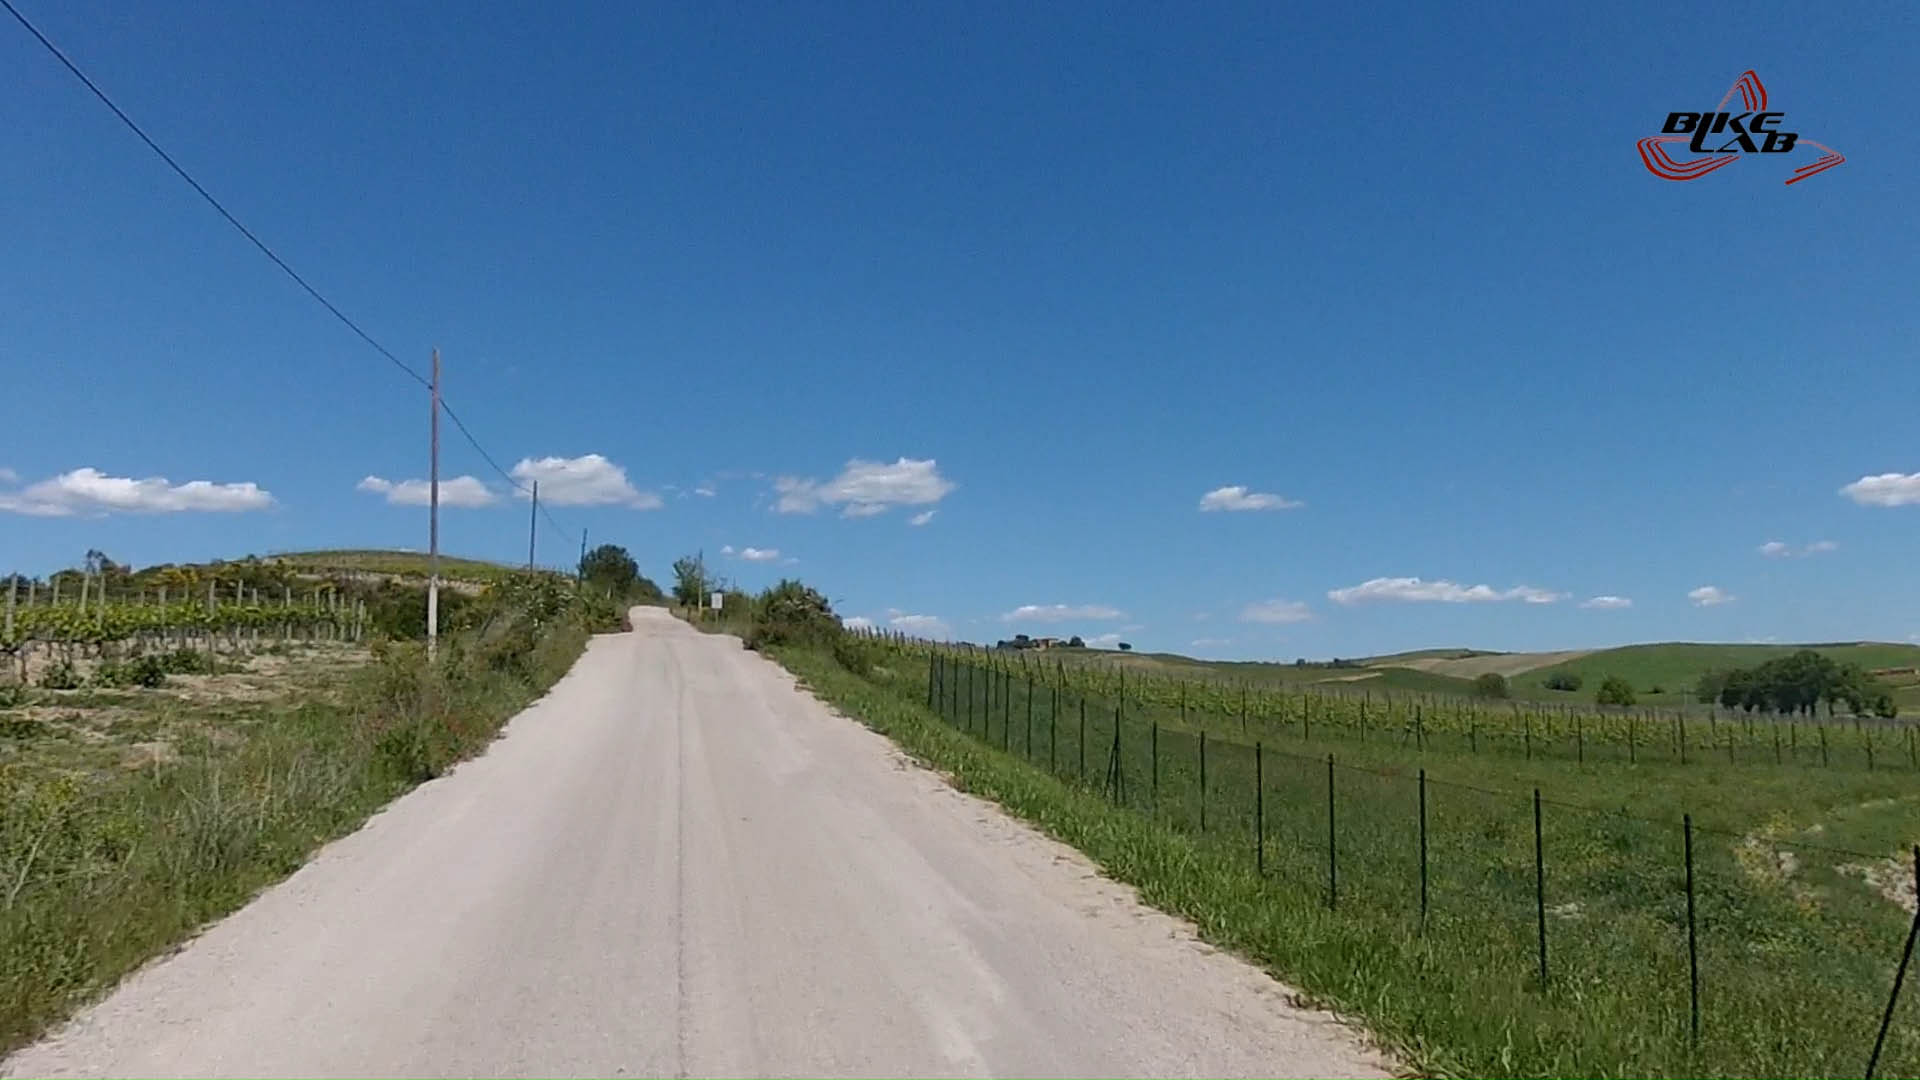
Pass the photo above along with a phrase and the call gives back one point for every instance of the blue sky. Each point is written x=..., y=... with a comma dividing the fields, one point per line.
x=1052, y=272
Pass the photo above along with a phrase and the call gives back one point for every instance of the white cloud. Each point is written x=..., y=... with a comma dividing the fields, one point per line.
x=1103, y=641
x=1775, y=549
x=754, y=554
x=1060, y=613
x=1276, y=611
x=460, y=491
x=1709, y=596
x=1413, y=590
x=588, y=480
x=705, y=492
x=921, y=518
x=865, y=488
x=1607, y=603
x=89, y=491
x=1886, y=489
x=8, y=476
x=857, y=622
x=930, y=626
x=1237, y=497
x=1208, y=642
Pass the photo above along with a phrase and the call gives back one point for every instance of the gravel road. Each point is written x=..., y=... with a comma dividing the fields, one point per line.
x=678, y=864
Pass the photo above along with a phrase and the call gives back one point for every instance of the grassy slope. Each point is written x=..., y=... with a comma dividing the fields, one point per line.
x=1794, y=962
x=403, y=563
x=1262, y=674
x=1677, y=666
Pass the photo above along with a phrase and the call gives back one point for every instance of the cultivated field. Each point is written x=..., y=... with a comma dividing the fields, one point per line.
x=1403, y=876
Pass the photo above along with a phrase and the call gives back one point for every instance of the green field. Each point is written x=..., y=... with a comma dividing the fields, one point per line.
x=398, y=563
x=1662, y=675
x=1307, y=856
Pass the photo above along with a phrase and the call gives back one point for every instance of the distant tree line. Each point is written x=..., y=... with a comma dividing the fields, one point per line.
x=1797, y=684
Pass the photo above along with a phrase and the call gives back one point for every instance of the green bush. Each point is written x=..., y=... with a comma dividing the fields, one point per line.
x=1614, y=690
x=61, y=676
x=1490, y=685
x=1562, y=680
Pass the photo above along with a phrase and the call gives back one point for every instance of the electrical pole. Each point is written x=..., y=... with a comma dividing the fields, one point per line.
x=533, y=525
x=580, y=572
x=433, y=522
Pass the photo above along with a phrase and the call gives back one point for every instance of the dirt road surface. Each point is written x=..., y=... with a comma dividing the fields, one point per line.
x=678, y=864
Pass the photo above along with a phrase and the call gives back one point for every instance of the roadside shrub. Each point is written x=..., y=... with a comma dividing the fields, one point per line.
x=852, y=654
x=1562, y=680
x=791, y=613
x=61, y=676
x=184, y=662
x=145, y=671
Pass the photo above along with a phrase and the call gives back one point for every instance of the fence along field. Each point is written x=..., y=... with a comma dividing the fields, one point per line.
x=1527, y=729
x=1624, y=938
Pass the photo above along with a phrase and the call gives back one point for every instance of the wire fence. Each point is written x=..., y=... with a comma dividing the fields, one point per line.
x=1694, y=934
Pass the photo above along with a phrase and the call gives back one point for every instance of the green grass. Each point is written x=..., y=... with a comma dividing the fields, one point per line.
x=400, y=563
x=103, y=867
x=1796, y=946
x=1676, y=667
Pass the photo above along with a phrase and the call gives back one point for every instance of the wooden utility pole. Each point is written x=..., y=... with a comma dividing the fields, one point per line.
x=533, y=524
x=433, y=521
x=580, y=572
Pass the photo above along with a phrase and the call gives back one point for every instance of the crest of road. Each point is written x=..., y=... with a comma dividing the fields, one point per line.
x=678, y=863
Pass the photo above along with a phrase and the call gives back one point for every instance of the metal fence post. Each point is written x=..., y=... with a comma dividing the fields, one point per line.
x=1259, y=811
x=1540, y=886
x=1083, y=738
x=1203, y=781
x=969, y=698
x=1155, y=749
x=1423, y=849
x=1029, y=716
x=1693, y=945
x=1333, y=864
x=1899, y=975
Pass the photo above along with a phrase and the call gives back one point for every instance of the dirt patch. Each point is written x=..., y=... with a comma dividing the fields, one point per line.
x=1506, y=665
x=1890, y=877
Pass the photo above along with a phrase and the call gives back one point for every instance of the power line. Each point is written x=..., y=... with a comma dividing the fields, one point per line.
x=264, y=249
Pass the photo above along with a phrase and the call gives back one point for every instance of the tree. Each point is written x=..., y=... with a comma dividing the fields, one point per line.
x=1490, y=685
x=1124, y=647
x=1074, y=642
x=1711, y=685
x=610, y=567
x=1614, y=690
x=1562, y=680
x=690, y=581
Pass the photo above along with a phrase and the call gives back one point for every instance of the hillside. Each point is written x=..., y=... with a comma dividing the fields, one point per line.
x=1665, y=673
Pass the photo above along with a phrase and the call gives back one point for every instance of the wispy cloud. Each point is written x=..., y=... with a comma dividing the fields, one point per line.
x=465, y=492
x=1777, y=549
x=1607, y=603
x=90, y=491
x=922, y=517
x=1103, y=641
x=587, y=480
x=1886, y=489
x=1276, y=611
x=1710, y=596
x=1208, y=642
x=751, y=554
x=865, y=488
x=1237, y=497
x=928, y=626
x=1060, y=612
x=1413, y=590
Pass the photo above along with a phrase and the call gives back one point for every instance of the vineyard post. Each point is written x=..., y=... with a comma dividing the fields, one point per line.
x=1730, y=747
x=1333, y=864
x=1118, y=771
x=1632, y=731
x=1529, y=735
x=1053, y=733
x=1776, y=740
x=933, y=678
x=1006, y=710
x=969, y=669
x=1580, y=739
x=85, y=580
x=13, y=588
x=1823, y=743
x=1243, y=708
x=55, y=602
x=1680, y=738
